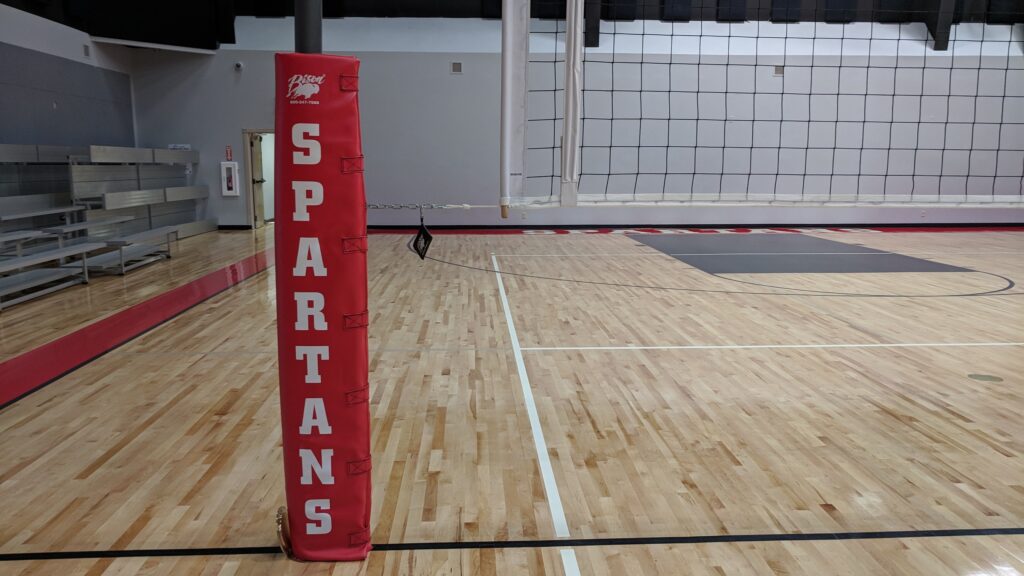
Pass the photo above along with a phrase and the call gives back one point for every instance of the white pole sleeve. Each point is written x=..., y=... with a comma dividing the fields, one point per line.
x=573, y=101
x=515, y=38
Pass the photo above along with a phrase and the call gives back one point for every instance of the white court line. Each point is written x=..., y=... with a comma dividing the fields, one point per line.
x=774, y=346
x=569, y=564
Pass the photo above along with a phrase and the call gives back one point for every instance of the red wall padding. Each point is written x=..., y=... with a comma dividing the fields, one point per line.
x=318, y=143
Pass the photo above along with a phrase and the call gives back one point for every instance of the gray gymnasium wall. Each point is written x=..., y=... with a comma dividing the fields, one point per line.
x=47, y=99
x=429, y=136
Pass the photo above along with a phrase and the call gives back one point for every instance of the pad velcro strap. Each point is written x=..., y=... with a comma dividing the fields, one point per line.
x=353, y=244
x=351, y=164
x=358, y=396
x=348, y=83
x=357, y=320
x=359, y=467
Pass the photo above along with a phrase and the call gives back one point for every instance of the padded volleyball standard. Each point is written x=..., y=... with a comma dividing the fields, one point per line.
x=322, y=307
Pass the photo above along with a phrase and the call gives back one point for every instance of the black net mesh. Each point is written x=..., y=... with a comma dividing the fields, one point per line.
x=809, y=111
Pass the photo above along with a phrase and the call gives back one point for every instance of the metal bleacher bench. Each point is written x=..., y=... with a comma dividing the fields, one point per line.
x=43, y=212
x=135, y=250
x=18, y=237
x=62, y=231
x=24, y=281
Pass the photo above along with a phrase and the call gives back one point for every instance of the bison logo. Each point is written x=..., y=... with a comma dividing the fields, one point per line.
x=302, y=87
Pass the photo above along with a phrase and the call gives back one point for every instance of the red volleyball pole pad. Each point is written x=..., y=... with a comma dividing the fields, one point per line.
x=322, y=317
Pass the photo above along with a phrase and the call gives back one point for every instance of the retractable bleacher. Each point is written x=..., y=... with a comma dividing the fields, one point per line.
x=25, y=277
x=107, y=209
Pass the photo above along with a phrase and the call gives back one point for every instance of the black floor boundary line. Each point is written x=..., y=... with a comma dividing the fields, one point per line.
x=140, y=553
x=716, y=539
x=27, y=393
x=561, y=543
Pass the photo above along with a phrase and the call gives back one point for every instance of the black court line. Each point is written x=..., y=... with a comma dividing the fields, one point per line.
x=501, y=544
x=142, y=553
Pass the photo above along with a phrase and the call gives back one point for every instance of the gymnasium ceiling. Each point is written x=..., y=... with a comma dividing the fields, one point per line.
x=208, y=23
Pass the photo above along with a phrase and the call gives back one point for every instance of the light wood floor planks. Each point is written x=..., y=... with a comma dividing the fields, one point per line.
x=754, y=441
x=173, y=441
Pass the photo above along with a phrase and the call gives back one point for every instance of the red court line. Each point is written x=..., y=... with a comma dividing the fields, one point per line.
x=31, y=370
x=467, y=231
x=950, y=229
x=684, y=230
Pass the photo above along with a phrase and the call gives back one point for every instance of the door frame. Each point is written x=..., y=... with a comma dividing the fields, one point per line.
x=255, y=200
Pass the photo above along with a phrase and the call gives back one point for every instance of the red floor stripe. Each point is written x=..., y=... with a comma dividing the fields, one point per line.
x=466, y=231
x=27, y=372
x=950, y=229
x=670, y=230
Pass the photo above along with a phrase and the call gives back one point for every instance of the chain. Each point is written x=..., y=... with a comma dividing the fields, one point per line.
x=422, y=207
x=404, y=206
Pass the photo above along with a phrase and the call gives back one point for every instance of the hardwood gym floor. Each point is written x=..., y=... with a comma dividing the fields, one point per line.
x=668, y=414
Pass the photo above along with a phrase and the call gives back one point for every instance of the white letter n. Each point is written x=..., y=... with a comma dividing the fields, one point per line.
x=310, y=465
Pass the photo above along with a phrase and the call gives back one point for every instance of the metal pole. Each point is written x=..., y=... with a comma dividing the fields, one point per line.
x=309, y=29
x=507, y=47
x=515, y=22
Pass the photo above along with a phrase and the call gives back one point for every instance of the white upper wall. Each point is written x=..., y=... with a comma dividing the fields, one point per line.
x=467, y=35
x=29, y=31
x=652, y=37
x=417, y=35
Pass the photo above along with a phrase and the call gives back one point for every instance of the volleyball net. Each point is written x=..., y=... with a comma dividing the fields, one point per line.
x=625, y=103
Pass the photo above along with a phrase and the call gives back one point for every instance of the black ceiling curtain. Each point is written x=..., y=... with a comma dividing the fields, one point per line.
x=209, y=23
x=189, y=23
